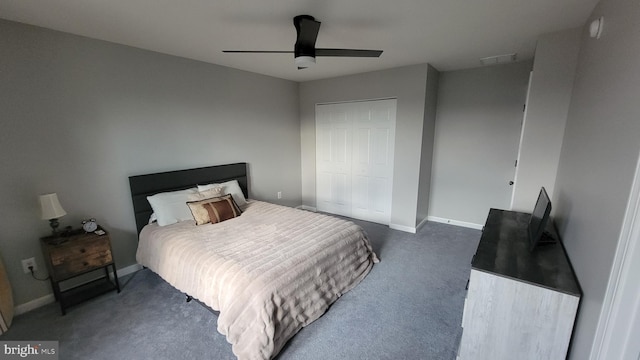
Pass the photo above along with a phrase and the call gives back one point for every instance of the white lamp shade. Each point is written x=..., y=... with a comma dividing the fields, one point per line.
x=50, y=207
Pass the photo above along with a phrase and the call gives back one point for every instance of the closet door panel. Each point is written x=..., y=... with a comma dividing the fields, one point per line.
x=373, y=159
x=333, y=160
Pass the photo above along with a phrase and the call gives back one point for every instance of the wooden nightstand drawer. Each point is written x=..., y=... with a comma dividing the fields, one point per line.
x=80, y=255
x=78, y=249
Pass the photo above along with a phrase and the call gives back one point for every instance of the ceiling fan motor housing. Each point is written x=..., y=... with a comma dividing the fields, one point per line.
x=306, y=36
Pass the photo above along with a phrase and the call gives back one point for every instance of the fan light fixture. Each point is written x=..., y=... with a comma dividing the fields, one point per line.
x=305, y=61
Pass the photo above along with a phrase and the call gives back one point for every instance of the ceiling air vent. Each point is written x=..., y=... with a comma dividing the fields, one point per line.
x=498, y=59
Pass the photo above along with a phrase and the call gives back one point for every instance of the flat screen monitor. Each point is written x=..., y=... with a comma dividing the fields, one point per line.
x=539, y=218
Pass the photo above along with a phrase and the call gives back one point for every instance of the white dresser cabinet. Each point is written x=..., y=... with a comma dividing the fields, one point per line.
x=520, y=304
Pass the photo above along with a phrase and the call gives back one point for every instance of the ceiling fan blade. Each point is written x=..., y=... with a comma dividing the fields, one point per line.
x=348, y=52
x=307, y=32
x=257, y=51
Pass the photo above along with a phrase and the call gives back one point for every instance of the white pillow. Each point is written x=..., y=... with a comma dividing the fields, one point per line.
x=171, y=207
x=230, y=187
x=211, y=193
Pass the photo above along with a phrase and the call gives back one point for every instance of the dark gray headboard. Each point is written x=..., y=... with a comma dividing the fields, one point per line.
x=149, y=184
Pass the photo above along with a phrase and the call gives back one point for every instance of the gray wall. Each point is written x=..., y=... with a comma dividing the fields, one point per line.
x=428, y=133
x=599, y=153
x=547, y=107
x=408, y=85
x=476, y=140
x=79, y=116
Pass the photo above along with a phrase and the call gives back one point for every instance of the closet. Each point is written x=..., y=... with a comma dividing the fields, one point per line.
x=355, y=144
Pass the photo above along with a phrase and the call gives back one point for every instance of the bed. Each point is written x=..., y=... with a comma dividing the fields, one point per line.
x=268, y=272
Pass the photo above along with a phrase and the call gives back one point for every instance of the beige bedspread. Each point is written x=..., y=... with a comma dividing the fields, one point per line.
x=269, y=272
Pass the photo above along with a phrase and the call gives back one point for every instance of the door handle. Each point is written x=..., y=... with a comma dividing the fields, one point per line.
x=510, y=182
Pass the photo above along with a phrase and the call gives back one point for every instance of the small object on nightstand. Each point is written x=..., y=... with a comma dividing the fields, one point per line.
x=89, y=225
x=76, y=254
x=99, y=232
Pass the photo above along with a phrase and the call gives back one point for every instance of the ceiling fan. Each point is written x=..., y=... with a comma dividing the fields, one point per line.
x=305, y=50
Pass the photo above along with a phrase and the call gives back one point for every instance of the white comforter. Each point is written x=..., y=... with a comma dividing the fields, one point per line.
x=269, y=272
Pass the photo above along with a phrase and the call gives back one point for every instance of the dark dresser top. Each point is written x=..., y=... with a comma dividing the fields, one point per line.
x=504, y=250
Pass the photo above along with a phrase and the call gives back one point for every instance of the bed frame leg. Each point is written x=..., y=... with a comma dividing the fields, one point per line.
x=189, y=298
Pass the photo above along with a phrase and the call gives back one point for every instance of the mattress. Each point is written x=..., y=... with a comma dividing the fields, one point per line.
x=269, y=272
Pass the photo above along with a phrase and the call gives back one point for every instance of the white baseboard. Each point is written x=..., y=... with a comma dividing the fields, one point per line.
x=455, y=222
x=33, y=304
x=404, y=228
x=308, y=208
x=49, y=298
x=128, y=270
x=422, y=223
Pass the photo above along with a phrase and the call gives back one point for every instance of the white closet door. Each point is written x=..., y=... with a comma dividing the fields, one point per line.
x=355, y=146
x=333, y=159
x=372, y=163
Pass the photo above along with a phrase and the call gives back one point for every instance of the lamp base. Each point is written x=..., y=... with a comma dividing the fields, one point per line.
x=54, y=226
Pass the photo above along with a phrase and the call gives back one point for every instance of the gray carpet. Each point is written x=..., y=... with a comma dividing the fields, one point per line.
x=408, y=307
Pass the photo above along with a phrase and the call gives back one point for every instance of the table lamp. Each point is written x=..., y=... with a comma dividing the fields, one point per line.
x=51, y=210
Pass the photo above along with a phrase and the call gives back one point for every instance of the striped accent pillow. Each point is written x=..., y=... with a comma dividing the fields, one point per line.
x=214, y=210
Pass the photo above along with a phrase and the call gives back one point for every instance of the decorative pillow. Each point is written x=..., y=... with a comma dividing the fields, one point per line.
x=214, y=210
x=171, y=207
x=230, y=187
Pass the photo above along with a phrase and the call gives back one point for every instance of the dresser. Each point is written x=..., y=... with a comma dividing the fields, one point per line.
x=76, y=253
x=520, y=304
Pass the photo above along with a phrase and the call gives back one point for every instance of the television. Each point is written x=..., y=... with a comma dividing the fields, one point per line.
x=539, y=220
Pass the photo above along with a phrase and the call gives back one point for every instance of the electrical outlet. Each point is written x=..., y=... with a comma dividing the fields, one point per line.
x=29, y=262
x=279, y=194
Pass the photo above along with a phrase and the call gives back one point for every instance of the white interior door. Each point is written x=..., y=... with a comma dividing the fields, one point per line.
x=354, y=159
x=522, y=128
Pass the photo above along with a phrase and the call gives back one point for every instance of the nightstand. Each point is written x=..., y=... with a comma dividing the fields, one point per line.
x=72, y=254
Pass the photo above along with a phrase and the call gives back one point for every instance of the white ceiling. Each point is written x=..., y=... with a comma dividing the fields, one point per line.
x=449, y=34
